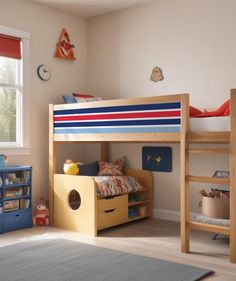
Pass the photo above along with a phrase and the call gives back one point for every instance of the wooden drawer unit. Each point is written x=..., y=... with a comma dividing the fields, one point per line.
x=94, y=214
x=112, y=202
x=113, y=216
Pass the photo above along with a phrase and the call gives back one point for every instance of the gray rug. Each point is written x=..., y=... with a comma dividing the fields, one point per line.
x=63, y=260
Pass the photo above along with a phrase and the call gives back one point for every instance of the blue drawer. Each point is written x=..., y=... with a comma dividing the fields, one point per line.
x=18, y=219
x=1, y=223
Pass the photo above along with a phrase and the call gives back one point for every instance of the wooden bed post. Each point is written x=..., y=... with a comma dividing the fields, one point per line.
x=184, y=171
x=52, y=163
x=104, y=151
x=233, y=177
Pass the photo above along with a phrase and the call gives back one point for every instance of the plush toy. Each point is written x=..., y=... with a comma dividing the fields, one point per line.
x=71, y=168
x=41, y=216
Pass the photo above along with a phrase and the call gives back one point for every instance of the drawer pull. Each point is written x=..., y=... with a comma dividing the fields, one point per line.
x=17, y=215
x=109, y=211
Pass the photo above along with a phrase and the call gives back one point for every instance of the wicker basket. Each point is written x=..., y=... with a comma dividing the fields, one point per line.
x=215, y=207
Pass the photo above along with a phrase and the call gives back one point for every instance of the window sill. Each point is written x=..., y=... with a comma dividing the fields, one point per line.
x=15, y=150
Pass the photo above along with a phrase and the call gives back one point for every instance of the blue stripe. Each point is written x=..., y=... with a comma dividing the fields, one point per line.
x=174, y=129
x=169, y=105
x=119, y=123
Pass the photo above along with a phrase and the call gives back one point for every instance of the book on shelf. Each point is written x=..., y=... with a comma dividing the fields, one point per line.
x=11, y=205
x=24, y=203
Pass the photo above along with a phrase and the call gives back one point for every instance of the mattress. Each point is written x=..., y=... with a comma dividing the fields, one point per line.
x=107, y=186
x=210, y=124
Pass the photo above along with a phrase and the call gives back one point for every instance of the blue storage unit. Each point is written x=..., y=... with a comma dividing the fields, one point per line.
x=15, y=198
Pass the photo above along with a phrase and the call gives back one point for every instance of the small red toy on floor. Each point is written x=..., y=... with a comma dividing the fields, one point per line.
x=41, y=216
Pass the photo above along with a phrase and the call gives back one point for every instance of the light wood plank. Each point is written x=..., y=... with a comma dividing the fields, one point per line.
x=83, y=219
x=184, y=185
x=233, y=177
x=104, y=151
x=118, y=102
x=209, y=137
x=112, y=202
x=52, y=165
x=127, y=137
x=204, y=179
x=208, y=151
x=209, y=228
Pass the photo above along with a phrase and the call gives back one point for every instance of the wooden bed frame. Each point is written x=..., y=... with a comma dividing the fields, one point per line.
x=177, y=133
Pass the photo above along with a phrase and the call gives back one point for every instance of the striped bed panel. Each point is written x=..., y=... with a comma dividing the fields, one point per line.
x=140, y=118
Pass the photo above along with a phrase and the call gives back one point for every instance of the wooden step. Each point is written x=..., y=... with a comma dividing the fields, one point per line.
x=205, y=179
x=218, y=229
x=208, y=150
x=208, y=137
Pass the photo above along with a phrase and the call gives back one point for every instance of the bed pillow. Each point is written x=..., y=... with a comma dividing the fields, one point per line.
x=85, y=97
x=89, y=169
x=82, y=95
x=69, y=99
x=111, y=168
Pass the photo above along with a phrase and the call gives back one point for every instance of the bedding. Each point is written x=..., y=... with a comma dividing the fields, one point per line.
x=107, y=186
x=223, y=110
x=80, y=98
x=211, y=124
x=111, y=168
x=89, y=169
x=211, y=121
x=85, y=97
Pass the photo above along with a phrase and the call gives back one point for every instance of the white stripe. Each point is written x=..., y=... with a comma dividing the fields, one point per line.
x=113, y=127
x=104, y=120
x=117, y=112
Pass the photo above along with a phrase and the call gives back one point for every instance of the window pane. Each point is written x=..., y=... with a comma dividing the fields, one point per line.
x=7, y=115
x=8, y=70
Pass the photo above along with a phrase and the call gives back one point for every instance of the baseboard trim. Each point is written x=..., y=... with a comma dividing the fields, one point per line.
x=170, y=215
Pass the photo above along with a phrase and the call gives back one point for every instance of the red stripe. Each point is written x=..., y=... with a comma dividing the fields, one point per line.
x=119, y=116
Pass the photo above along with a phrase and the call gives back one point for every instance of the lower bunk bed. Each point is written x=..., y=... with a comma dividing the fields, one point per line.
x=80, y=205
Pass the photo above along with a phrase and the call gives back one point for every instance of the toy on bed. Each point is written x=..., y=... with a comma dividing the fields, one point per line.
x=70, y=167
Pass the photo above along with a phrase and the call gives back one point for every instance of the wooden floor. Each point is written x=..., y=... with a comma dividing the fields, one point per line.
x=153, y=238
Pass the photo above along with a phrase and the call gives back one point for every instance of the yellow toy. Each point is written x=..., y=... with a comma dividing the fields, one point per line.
x=70, y=168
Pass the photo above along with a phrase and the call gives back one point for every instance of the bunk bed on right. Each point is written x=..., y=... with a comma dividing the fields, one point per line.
x=209, y=137
x=170, y=128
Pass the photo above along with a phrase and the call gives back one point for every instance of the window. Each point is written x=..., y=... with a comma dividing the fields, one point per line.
x=14, y=65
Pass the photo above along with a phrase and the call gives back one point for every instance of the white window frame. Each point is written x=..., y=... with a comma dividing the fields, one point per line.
x=23, y=147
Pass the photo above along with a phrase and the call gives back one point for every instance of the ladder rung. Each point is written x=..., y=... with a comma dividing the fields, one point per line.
x=209, y=227
x=208, y=150
x=209, y=137
x=204, y=179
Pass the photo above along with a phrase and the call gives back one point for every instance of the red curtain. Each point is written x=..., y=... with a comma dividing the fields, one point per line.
x=10, y=47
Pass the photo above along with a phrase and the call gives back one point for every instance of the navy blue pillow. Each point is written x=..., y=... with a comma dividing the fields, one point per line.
x=69, y=99
x=89, y=169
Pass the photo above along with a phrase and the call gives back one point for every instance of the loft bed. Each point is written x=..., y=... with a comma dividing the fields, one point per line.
x=151, y=119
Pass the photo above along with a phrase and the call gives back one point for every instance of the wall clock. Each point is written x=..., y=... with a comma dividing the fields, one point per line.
x=43, y=72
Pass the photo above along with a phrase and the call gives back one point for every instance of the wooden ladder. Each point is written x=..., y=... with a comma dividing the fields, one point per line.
x=216, y=138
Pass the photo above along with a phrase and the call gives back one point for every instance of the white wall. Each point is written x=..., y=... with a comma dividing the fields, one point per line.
x=45, y=25
x=192, y=41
